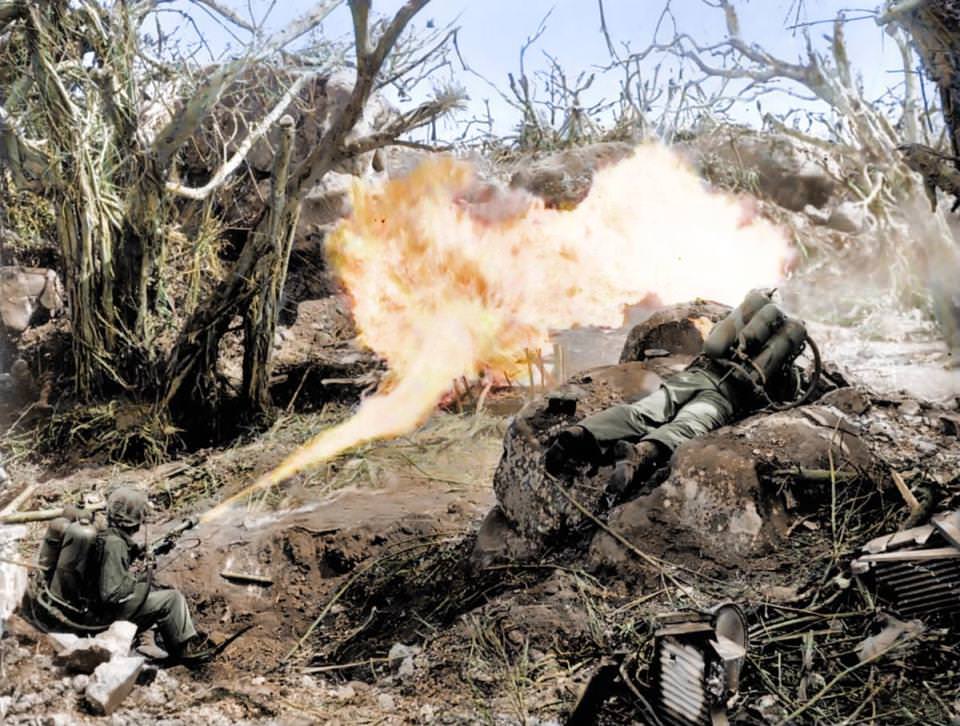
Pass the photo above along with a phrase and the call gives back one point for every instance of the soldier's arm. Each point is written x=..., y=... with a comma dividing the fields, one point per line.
x=116, y=582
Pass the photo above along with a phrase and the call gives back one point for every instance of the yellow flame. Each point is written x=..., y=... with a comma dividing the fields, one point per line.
x=448, y=275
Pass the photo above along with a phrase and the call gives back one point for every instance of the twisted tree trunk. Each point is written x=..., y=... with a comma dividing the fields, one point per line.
x=260, y=318
x=935, y=28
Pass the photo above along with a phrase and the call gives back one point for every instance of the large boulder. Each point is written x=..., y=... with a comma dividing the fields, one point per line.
x=25, y=293
x=563, y=179
x=732, y=495
x=791, y=172
x=679, y=329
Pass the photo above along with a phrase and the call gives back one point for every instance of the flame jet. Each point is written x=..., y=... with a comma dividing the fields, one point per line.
x=448, y=275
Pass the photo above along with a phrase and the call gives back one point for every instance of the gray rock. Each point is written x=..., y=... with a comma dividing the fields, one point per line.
x=386, y=702
x=848, y=217
x=399, y=653
x=406, y=669
x=112, y=682
x=118, y=638
x=78, y=655
x=23, y=291
x=80, y=682
x=83, y=655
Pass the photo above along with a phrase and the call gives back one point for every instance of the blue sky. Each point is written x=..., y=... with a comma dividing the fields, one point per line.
x=492, y=32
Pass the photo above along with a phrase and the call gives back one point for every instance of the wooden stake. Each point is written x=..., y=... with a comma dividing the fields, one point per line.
x=243, y=577
x=41, y=515
x=905, y=492
x=22, y=497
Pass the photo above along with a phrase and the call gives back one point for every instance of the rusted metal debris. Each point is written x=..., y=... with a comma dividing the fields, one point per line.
x=697, y=663
x=916, y=571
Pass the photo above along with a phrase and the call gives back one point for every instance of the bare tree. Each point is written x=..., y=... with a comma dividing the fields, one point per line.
x=72, y=128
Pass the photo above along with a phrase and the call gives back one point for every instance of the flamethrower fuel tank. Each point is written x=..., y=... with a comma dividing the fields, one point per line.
x=725, y=334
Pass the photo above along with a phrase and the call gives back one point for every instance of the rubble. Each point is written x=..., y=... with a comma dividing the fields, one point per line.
x=112, y=682
x=84, y=655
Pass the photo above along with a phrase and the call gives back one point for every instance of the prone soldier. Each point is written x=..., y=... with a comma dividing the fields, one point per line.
x=746, y=363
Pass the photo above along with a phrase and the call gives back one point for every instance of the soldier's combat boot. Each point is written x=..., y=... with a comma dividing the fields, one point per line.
x=572, y=448
x=634, y=463
x=199, y=649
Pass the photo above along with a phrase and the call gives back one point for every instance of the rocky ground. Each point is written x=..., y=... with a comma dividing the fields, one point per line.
x=388, y=592
x=421, y=623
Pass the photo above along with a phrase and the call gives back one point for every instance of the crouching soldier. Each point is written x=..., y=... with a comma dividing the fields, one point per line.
x=746, y=363
x=126, y=597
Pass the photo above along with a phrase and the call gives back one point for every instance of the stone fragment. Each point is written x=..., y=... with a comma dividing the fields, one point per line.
x=406, y=669
x=83, y=655
x=112, y=682
x=78, y=655
x=386, y=702
x=118, y=638
x=398, y=653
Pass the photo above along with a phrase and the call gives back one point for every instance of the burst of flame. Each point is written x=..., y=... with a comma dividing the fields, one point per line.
x=448, y=275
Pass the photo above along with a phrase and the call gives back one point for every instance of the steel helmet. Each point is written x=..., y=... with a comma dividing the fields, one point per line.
x=127, y=507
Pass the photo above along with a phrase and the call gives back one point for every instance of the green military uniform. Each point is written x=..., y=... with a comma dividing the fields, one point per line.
x=131, y=599
x=686, y=405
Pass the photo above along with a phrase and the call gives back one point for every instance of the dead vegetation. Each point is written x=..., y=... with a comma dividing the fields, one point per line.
x=516, y=641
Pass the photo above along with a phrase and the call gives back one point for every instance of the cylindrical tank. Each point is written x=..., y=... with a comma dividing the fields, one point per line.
x=50, y=547
x=760, y=329
x=70, y=582
x=723, y=336
x=782, y=346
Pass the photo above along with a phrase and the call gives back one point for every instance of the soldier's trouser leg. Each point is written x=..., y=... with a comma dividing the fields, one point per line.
x=636, y=421
x=167, y=609
x=706, y=411
x=626, y=420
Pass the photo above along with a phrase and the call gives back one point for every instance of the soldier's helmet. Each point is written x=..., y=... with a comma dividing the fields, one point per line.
x=127, y=507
